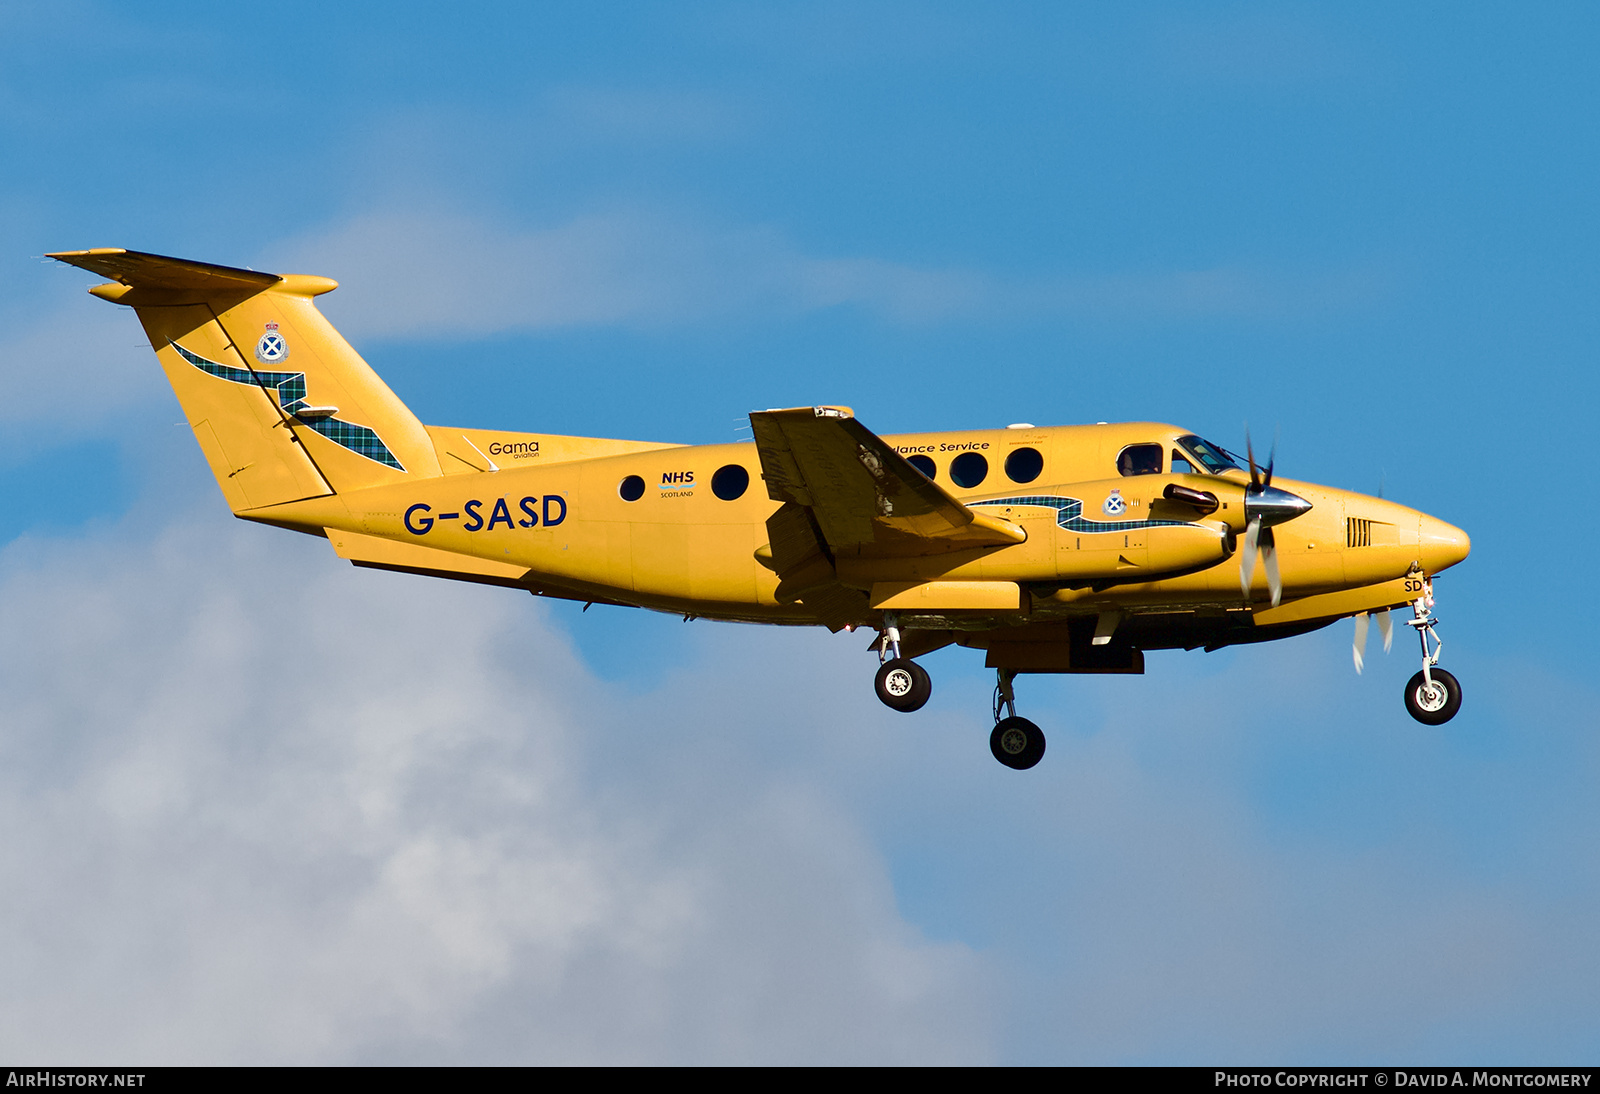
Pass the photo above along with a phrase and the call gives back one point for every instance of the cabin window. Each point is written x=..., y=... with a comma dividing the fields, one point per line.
x=1209, y=455
x=922, y=463
x=631, y=488
x=1139, y=459
x=730, y=482
x=1181, y=464
x=969, y=469
x=1024, y=464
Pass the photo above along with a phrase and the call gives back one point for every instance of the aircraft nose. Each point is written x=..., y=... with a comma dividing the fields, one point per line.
x=1442, y=545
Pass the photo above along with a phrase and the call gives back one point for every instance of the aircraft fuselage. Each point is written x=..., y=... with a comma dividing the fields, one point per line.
x=556, y=511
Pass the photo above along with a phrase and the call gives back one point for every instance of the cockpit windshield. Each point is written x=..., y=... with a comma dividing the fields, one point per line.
x=1208, y=455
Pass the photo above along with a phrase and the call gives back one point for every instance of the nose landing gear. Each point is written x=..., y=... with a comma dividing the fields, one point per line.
x=1433, y=696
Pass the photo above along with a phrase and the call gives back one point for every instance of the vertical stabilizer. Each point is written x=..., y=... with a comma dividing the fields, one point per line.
x=282, y=406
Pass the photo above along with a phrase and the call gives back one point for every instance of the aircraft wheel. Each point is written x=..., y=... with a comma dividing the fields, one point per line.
x=1436, y=707
x=903, y=685
x=1017, y=743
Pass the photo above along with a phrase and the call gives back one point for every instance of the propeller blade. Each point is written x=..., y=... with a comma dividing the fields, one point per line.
x=1247, y=556
x=1361, y=641
x=1264, y=507
x=1386, y=628
x=1269, y=559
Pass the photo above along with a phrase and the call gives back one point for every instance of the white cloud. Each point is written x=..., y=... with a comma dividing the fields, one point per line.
x=260, y=806
x=75, y=362
x=263, y=807
x=416, y=272
x=409, y=273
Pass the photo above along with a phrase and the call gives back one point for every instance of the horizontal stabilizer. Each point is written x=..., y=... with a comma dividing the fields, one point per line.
x=139, y=270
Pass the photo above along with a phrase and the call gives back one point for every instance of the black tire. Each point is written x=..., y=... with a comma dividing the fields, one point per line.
x=903, y=685
x=1017, y=743
x=1439, y=707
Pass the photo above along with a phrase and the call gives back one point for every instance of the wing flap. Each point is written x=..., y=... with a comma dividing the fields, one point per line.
x=862, y=492
x=805, y=570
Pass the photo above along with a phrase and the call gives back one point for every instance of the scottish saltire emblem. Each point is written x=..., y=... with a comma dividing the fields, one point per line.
x=273, y=347
x=1114, y=505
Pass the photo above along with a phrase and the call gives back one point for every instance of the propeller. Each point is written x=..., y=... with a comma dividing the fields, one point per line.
x=1385, y=628
x=1264, y=506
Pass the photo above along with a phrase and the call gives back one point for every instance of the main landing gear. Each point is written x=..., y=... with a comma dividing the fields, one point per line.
x=1015, y=742
x=904, y=685
x=1433, y=695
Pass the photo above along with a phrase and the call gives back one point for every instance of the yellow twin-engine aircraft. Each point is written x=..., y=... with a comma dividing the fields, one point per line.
x=1066, y=549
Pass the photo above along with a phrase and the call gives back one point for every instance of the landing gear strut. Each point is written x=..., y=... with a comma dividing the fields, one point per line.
x=1433, y=695
x=904, y=685
x=901, y=684
x=1015, y=742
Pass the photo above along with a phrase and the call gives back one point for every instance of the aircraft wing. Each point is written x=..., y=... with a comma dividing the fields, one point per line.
x=863, y=495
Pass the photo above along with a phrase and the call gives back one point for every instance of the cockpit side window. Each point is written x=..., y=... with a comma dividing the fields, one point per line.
x=1207, y=454
x=1181, y=464
x=1139, y=459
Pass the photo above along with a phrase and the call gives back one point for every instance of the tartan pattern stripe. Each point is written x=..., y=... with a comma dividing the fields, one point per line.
x=291, y=390
x=1069, y=514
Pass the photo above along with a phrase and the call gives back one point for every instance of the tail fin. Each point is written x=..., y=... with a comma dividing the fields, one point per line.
x=283, y=408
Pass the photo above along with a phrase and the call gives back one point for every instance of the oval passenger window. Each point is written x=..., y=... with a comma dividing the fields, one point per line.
x=730, y=482
x=1024, y=465
x=922, y=463
x=631, y=488
x=969, y=469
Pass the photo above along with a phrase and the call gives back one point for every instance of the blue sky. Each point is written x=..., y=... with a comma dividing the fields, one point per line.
x=268, y=812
